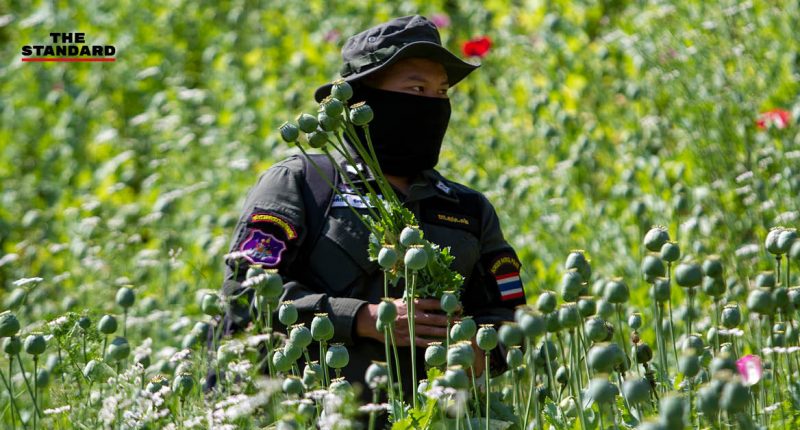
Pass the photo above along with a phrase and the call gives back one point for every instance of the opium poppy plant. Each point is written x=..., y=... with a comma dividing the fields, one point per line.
x=477, y=47
x=778, y=118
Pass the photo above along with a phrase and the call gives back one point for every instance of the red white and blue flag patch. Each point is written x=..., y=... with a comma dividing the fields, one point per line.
x=510, y=286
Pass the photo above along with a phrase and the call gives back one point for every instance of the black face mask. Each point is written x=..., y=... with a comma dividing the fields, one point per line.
x=407, y=129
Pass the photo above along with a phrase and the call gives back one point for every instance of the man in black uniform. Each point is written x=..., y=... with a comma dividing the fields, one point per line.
x=319, y=245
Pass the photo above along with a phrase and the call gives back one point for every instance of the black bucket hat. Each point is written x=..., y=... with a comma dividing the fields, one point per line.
x=383, y=45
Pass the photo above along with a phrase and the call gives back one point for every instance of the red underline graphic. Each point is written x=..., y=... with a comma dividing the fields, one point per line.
x=68, y=59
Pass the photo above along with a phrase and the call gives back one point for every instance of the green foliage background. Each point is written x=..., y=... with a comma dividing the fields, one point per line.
x=587, y=123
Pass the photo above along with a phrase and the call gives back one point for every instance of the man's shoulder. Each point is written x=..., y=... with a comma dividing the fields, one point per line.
x=458, y=188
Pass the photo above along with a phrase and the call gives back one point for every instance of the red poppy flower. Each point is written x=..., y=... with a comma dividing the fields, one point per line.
x=777, y=118
x=477, y=47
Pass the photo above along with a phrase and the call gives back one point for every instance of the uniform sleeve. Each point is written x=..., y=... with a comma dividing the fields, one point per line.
x=271, y=232
x=495, y=289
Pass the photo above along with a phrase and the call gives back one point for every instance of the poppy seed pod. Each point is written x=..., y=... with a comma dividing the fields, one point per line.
x=461, y=354
x=765, y=280
x=307, y=123
x=332, y=106
x=713, y=287
x=514, y=358
x=183, y=384
x=670, y=252
x=317, y=138
x=12, y=345
x=327, y=122
x=794, y=251
x=487, y=337
x=211, y=305
x=9, y=324
x=361, y=114
x=510, y=334
x=708, y=400
x=731, y=316
x=125, y=297
x=435, y=354
x=761, y=301
x=672, y=410
x=655, y=238
x=448, y=302
x=387, y=256
x=636, y=390
x=568, y=316
x=786, y=239
x=337, y=356
x=300, y=335
x=468, y=327
x=293, y=351
x=643, y=353
x=84, y=322
x=571, y=284
x=602, y=391
x=292, y=386
x=532, y=325
x=340, y=386
x=689, y=365
x=635, y=321
x=547, y=302
x=118, y=349
x=341, y=90
x=410, y=235
x=287, y=313
x=587, y=306
x=35, y=344
x=289, y=132
x=456, y=377
x=577, y=260
x=735, y=397
x=562, y=375
x=281, y=361
x=595, y=329
x=616, y=291
x=321, y=327
x=688, y=275
x=545, y=349
x=311, y=374
x=652, y=268
x=271, y=286
x=376, y=375
x=771, y=242
x=387, y=311
x=712, y=267
x=107, y=324
x=416, y=258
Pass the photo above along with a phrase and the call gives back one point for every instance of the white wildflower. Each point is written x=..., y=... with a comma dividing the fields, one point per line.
x=240, y=367
x=747, y=250
x=374, y=407
x=181, y=355
x=772, y=408
x=65, y=408
x=25, y=281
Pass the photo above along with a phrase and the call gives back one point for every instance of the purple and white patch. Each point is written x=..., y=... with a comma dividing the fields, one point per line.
x=262, y=248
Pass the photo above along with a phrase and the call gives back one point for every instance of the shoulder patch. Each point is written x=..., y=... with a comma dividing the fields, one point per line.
x=504, y=268
x=271, y=218
x=262, y=248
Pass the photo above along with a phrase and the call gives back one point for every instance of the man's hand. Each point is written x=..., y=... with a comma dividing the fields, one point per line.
x=430, y=326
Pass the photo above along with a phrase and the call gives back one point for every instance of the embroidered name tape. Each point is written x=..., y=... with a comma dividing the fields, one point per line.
x=262, y=248
x=344, y=200
x=273, y=219
x=453, y=219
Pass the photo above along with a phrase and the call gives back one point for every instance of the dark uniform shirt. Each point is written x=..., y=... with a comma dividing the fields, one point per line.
x=332, y=273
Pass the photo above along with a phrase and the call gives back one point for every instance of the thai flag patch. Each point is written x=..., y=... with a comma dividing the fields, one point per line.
x=510, y=286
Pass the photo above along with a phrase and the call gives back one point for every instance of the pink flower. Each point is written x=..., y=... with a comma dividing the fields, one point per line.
x=440, y=20
x=332, y=36
x=778, y=118
x=750, y=369
x=477, y=47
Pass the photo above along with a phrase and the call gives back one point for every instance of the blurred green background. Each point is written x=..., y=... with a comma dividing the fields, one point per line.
x=587, y=123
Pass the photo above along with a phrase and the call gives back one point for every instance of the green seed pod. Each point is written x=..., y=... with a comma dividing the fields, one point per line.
x=341, y=90
x=107, y=324
x=673, y=409
x=387, y=311
x=461, y=354
x=292, y=351
x=562, y=375
x=254, y=271
x=577, y=260
x=708, y=400
x=457, y=334
x=337, y=356
x=321, y=327
x=9, y=324
x=655, y=238
x=765, y=280
x=281, y=360
x=722, y=363
x=652, y=268
x=456, y=377
x=532, y=325
x=635, y=321
x=468, y=327
x=125, y=297
x=689, y=365
x=340, y=386
x=760, y=301
x=272, y=285
x=289, y=132
x=602, y=358
x=53, y=363
x=201, y=329
x=544, y=350
x=34, y=344
x=587, y=306
x=794, y=251
x=670, y=252
x=142, y=359
x=595, y=329
x=569, y=407
x=189, y=341
x=510, y=334
x=661, y=290
x=448, y=302
x=571, y=284
x=211, y=305
x=300, y=335
x=317, y=138
x=771, y=242
x=16, y=298
x=781, y=297
x=551, y=322
x=292, y=386
x=568, y=316
x=84, y=322
x=155, y=383
x=410, y=235
x=731, y=316
x=332, y=106
x=183, y=384
x=307, y=123
x=713, y=287
x=12, y=345
x=616, y=291
x=735, y=397
x=312, y=374
x=96, y=371
x=605, y=309
x=602, y=391
x=514, y=358
x=693, y=344
x=712, y=267
x=435, y=354
x=636, y=391
x=387, y=257
x=327, y=122
x=287, y=313
x=42, y=378
x=547, y=302
x=118, y=349
x=688, y=275
x=416, y=258
x=487, y=337
x=361, y=114
x=643, y=353
x=377, y=375
x=307, y=410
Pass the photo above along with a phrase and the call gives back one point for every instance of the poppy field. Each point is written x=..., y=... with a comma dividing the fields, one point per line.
x=643, y=158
